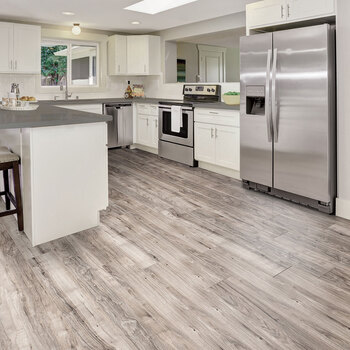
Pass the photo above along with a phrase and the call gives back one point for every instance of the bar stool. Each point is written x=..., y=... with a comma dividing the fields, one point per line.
x=8, y=161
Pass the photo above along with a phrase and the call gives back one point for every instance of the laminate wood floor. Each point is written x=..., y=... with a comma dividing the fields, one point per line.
x=183, y=259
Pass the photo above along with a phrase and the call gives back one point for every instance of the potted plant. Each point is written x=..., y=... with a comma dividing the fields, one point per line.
x=232, y=98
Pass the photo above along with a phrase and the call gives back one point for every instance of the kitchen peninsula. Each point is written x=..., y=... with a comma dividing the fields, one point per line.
x=64, y=168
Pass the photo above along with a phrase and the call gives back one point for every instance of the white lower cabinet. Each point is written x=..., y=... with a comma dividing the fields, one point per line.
x=147, y=125
x=217, y=138
x=143, y=130
x=204, y=142
x=227, y=146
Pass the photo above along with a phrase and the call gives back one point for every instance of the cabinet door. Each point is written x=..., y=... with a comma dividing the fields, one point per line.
x=305, y=9
x=227, y=151
x=266, y=13
x=117, y=64
x=154, y=132
x=6, y=39
x=137, y=54
x=143, y=130
x=27, y=48
x=204, y=142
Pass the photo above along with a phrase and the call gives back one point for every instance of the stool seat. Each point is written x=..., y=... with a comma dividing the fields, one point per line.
x=7, y=156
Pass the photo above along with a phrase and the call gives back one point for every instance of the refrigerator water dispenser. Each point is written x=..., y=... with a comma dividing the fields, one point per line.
x=255, y=100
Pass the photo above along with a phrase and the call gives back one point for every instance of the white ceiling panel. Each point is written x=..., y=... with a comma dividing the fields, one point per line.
x=111, y=15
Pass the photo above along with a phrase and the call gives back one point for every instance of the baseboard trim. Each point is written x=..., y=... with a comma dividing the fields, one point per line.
x=342, y=208
x=144, y=148
x=220, y=170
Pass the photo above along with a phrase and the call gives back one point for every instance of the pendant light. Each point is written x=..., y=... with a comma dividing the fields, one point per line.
x=76, y=30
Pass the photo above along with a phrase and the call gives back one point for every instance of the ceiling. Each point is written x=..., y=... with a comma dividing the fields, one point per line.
x=227, y=38
x=110, y=14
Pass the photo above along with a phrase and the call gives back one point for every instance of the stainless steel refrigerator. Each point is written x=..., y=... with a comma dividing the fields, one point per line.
x=288, y=145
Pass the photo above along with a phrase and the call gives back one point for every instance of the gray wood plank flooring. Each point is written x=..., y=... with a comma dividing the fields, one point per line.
x=183, y=259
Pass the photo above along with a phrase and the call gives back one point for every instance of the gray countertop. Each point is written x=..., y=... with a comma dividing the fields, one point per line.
x=49, y=115
x=214, y=105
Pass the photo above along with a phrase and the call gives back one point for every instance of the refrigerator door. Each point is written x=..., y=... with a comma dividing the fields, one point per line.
x=303, y=112
x=256, y=126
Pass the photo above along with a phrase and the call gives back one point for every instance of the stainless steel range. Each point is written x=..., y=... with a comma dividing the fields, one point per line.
x=176, y=122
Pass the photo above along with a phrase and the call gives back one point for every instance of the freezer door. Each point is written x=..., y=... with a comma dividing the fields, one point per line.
x=256, y=142
x=304, y=112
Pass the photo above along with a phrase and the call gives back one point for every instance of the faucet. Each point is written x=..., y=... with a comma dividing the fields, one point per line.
x=66, y=94
x=15, y=89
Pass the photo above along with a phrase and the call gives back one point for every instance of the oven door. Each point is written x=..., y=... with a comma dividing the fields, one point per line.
x=185, y=136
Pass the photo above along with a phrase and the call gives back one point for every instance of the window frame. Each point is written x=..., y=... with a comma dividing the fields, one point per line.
x=69, y=44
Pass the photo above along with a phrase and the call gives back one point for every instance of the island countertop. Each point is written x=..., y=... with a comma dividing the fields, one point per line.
x=47, y=115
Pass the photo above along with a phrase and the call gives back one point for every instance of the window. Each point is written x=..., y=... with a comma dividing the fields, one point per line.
x=76, y=62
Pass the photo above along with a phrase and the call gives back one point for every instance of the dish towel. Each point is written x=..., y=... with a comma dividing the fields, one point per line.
x=176, y=118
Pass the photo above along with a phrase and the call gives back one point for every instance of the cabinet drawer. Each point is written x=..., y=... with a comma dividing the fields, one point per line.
x=217, y=116
x=148, y=109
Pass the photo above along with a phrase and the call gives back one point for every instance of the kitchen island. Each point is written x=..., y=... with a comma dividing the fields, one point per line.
x=64, y=168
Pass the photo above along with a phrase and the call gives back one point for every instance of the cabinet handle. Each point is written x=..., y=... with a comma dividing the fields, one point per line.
x=156, y=121
x=288, y=11
x=16, y=65
x=144, y=68
x=216, y=133
x=11, y=65
x=147, y=122
x=118, y=68
x=213, y=112
x=282, y=11
x=212, y=132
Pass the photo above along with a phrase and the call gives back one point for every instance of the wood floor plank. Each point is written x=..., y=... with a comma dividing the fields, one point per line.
x=183, y=259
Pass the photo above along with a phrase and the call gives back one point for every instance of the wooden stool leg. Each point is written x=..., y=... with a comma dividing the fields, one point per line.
x=6, y=188
x=18, y=196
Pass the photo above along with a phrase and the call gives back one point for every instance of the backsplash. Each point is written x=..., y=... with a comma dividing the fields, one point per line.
x=115, y=87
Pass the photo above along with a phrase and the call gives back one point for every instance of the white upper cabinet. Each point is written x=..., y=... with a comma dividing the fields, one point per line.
x=266, y=13
x=26, y=48
x=20, y=48
x=275, y=12
x=305, y=9
x=134, y=55
x=117, y=64
x=143, y=54
x=6, y=39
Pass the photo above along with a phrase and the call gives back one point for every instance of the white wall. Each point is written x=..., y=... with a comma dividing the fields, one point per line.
x=156, y=86
x=232, y=64
x=189, y=52
x=343, y=67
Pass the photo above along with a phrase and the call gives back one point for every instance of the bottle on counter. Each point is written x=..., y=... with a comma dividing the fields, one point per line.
x=128, y=92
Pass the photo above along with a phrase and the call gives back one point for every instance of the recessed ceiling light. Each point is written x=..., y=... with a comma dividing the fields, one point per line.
x=135, y=22
x=152, y=7
x=67, y=13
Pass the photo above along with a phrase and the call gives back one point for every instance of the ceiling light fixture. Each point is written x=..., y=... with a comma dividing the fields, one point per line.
x=76, y=30
x=136, y=22
x=152, y=7
x=67, y=13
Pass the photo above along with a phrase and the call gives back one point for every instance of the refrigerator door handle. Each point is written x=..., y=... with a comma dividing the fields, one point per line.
x=274, y=100
x=267, y=96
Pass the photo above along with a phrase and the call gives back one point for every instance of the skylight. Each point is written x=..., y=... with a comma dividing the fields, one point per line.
x=152, y=7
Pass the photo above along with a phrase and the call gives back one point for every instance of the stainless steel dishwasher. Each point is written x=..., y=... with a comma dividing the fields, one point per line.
x=120, y=128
